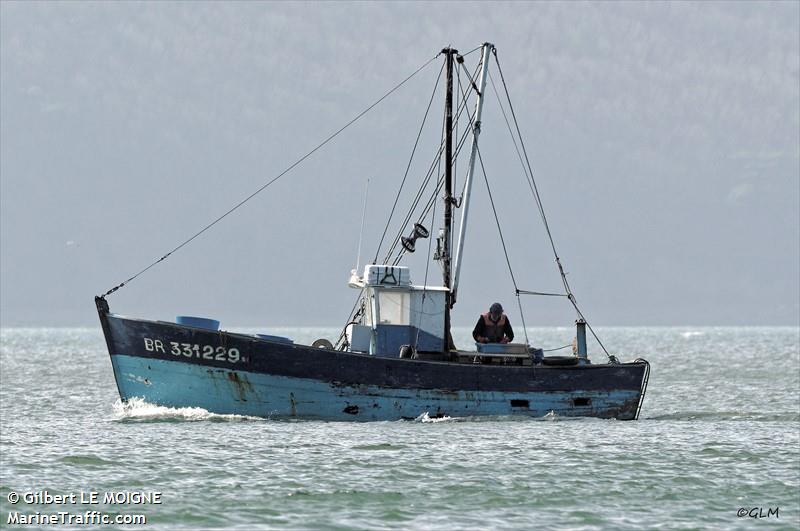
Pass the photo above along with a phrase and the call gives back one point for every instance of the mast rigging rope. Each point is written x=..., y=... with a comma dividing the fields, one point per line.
x=440, y=181
x=274, y=179
x=503, y=243
x=537, y=198
x=426, y=180
x=410, y=159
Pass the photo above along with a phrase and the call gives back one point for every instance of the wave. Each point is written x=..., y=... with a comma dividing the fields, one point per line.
x=788, y=416
x=551, y=416
x=87, y=460
x=137, y=410
x=425, y=418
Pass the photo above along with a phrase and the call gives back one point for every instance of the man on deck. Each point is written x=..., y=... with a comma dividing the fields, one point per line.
x=493, y=327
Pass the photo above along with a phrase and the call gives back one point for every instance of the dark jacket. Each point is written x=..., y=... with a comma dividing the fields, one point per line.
x=494, y=331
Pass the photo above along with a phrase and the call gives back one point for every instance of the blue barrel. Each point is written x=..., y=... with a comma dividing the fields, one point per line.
x=197, y=322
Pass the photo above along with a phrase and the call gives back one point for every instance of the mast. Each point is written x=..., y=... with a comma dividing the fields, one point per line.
x=476, y=131
x=448, y=187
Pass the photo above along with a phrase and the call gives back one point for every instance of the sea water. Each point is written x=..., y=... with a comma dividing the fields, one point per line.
x=717, y=447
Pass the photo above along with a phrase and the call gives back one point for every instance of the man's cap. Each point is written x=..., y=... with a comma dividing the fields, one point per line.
x=496, y=308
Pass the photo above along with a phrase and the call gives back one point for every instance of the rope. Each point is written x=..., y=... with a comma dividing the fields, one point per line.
x=436, y=162
x=529, y=174
x=537, y=198
x=419, y=195
x=526, y=292
x=472, y=50
x=274, y=179
x=425, y=282
x=497, y=220
x=557, y=348
x=411, y=158
x=510, y=132
x=503, y=242
x=341, y=343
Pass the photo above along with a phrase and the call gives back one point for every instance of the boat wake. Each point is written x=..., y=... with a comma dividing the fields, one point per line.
x=137, y=410
x=551, y=416
x=425, y=418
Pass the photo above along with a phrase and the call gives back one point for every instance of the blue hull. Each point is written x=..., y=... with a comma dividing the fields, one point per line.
x=179, y=366
x=175, y=384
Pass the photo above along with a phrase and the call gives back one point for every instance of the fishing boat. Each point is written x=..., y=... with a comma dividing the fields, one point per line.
x=395, y=357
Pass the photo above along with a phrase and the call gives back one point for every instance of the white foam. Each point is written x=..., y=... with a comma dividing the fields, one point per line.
x=427, y=418
x=687, y=335
x=137, y=409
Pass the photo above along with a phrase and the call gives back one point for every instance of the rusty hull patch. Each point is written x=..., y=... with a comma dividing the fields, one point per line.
x=241, y=385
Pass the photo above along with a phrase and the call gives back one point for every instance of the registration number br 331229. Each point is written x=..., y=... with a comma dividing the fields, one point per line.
x=193, y=350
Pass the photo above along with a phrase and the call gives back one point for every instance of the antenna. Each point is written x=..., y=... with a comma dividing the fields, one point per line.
x=361, y=232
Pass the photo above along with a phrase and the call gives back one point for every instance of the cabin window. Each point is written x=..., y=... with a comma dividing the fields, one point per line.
x=394, y=307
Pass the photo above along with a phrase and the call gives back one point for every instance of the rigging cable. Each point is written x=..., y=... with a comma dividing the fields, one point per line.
x=437, y=160
x=472, y=50
x=538, y=200
x=274, y=179
x=529, y=174
x=440, y=181
x=357, y=310
x=425, y=282
x=503, y=242
x=557, y=348
x=418, y=197
x=408, y=166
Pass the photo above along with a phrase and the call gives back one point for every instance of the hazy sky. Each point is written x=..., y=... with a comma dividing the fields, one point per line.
x=665, y=139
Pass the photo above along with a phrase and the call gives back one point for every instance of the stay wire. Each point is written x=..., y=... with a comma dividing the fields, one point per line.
x=503, y=243
x=420, y=192
x=414, y=203
x=411, y=158
x=440, y=181
x=428, y=205
x=531, y=183
x=511, y=133
x=425, y=282
x=472, y=50
x=541, y=293
x=537, y=197
x=460, y=110
x=273, y=180
x=472, y=78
